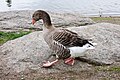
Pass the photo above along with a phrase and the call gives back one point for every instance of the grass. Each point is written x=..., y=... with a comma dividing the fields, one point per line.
x=5, y=36
x=101, y=18
x=114, y=20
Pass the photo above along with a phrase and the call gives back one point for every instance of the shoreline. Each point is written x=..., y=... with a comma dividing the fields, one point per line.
x=104, y=14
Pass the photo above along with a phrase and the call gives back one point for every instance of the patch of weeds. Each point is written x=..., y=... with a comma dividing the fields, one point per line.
x=115, y=69
x=6, y=36
x=103, y=68
x=46, y=78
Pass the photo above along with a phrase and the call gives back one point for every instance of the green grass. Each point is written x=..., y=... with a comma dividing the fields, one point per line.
x=6, y=36
x=114, y=69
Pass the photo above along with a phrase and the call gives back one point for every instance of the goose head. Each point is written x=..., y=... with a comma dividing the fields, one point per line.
x=40, y=14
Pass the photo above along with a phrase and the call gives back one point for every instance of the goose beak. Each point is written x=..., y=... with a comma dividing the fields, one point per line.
x=33, y=21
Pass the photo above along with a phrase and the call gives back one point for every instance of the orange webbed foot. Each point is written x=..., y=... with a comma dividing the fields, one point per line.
x=70, y=61
x=49, y=64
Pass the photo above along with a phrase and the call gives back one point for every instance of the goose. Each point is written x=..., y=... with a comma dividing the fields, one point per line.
x=65, y=44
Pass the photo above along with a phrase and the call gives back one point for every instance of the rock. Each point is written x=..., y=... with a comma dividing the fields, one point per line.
x=17, y=20
x=31, y=50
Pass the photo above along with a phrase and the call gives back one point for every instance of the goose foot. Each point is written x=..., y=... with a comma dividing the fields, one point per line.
x=70, y=61
x=49, y=64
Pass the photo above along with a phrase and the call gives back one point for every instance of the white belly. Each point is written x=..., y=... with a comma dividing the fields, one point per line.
x=77, y=51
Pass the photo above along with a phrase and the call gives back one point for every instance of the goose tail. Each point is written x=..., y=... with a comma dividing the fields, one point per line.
x=91, y=43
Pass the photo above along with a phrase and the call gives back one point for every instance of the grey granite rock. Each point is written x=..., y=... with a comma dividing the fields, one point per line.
x=16, y=20
x=31, y=50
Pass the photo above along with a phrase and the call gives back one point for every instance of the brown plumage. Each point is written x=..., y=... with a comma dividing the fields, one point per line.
x=58, y=39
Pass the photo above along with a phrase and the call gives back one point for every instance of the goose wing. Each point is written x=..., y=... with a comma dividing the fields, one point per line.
x=61, y=51
x=68, y=38
x=62, y=39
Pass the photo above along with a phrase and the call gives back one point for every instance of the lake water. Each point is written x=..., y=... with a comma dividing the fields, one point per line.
x=86, y=7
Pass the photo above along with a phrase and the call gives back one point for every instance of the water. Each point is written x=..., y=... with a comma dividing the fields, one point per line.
x=87, y=7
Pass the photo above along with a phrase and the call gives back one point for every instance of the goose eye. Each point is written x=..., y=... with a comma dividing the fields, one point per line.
x=89, y=46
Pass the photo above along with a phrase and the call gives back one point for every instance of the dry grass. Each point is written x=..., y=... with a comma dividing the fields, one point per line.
x=114, y=20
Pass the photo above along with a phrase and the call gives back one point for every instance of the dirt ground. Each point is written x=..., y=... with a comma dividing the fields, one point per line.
x=97, y=73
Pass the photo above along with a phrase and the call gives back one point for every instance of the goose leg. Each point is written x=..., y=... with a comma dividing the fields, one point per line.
x=70, y=61
x=51, y=56
x=48, y=63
